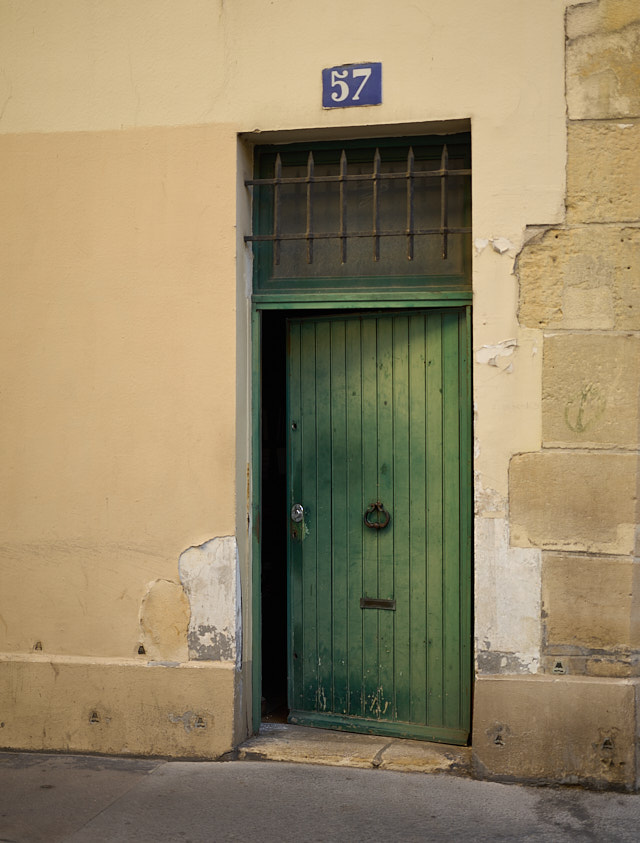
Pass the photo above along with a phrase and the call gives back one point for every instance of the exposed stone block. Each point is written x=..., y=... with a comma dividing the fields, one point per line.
x=616, y=664
x=602, y=172
x=581, y=278
x=589, y=605
x=571, y=730
x=575, y=501
x=590, y=390
x=587, y=17
x=603, y=73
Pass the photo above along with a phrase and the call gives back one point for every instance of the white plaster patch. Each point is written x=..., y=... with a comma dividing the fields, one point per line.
x=501, y=245
x=480, y=244
x=210, y=576
x=489, y=353
x=487, y=501
x=507, y=594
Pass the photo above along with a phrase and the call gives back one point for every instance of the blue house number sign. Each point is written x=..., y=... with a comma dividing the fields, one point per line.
x=352, y=84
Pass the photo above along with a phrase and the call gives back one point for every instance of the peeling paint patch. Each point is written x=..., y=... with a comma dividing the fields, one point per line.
x=495, y=662
x=321, y=699
x=489, y=503
x=377, y=704
x=210, y=575
x=211, y=644
x=489, y=354
x=498, y=734
x=190, y=721
x=498, y=244
x=501, y=245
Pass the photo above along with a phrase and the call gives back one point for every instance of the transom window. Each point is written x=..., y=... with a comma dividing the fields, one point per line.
x=345, y=216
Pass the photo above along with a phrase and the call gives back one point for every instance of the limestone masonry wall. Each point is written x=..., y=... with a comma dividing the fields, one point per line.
x=580, y=283
x=577, y=498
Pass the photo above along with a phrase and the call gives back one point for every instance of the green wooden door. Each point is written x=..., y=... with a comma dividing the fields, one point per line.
x=379, y=616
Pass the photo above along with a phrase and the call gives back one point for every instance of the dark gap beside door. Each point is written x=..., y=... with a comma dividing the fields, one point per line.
x=274, y=520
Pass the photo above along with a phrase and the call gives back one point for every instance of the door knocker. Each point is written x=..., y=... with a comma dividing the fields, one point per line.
x=382, y=519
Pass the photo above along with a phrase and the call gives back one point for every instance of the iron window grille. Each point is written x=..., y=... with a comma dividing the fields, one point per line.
x=414, y=178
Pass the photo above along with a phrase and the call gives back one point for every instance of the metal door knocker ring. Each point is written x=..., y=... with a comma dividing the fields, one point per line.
x=382, y=521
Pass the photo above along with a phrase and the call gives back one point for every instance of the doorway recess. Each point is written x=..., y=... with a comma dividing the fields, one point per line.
x=342, y=232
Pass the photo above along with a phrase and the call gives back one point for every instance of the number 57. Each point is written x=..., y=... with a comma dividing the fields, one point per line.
x=337, y=81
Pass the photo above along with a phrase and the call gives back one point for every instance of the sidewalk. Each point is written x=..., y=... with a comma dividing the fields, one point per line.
x=83, y=799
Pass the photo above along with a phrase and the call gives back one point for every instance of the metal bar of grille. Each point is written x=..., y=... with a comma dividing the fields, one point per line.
x=410, y=234
x=343, y=207
x=276, y=210
x=417, y=174
x=339, y=235
x=376, y=206
x=310, y=170
x=444, y=201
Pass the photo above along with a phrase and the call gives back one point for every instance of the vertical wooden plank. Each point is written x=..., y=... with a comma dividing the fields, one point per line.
x=323, y=405
x=355, y=497
x=417, y=516
x=384, y=704
x=370, y=489
x=451, y=518
x=294, y=495
x=339, y=527
x=466, y=515
x=401, y=521
x=434, y=491
x=309, y=527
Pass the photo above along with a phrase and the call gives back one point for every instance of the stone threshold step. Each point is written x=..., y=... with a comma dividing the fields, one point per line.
x=284, y=742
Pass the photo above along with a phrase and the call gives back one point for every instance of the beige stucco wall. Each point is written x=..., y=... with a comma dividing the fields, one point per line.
x=119, y=350
x=125, y=341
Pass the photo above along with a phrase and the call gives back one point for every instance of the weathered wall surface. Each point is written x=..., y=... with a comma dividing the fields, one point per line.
x=125, y=344
x=117, y=450
x=126, y=353
x=577, y=497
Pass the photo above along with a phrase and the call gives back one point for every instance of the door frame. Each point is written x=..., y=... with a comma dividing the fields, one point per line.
x=336, y=304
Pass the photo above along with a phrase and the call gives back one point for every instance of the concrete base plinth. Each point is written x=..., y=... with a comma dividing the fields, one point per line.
x=77, y=705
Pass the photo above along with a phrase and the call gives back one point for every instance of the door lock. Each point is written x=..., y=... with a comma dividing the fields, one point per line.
x=297, y=512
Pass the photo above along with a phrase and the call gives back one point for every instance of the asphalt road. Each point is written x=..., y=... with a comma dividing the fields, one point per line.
x=81, y=799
